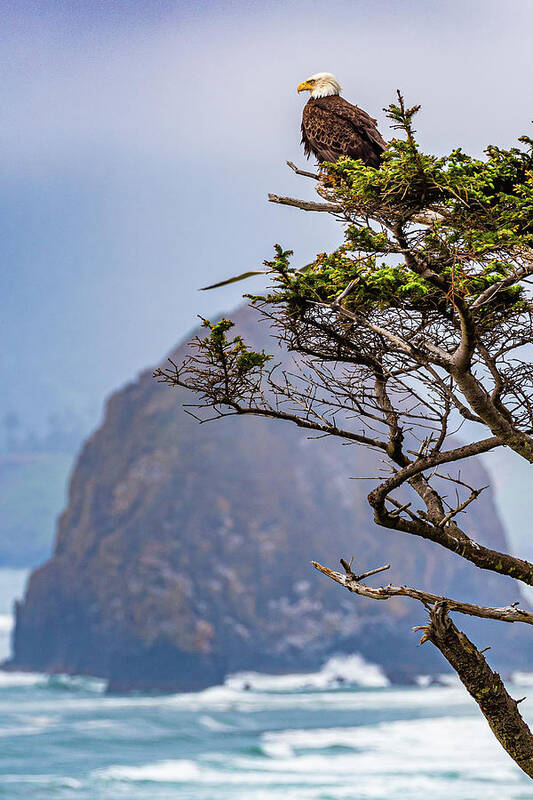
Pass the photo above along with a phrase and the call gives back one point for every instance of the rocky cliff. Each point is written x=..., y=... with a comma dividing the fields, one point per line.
x=184, y=553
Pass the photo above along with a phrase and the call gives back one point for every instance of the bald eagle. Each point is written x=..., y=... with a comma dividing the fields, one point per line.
x=333, y=128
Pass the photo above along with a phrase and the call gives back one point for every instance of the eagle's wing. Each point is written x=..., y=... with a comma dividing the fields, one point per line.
x=324, y=133
x=362, y=123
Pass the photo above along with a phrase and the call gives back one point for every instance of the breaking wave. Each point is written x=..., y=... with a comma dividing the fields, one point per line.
x=415, y=756
x=76, y=683
x=6, y=623
x=522, y=678
x=11, y=680
x=337, y=733
x=338, y=671
x=70, y=683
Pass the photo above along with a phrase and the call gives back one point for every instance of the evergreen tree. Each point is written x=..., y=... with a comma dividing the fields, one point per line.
x=414, y=330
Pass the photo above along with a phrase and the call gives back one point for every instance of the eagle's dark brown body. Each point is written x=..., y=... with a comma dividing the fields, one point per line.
x=333, y=128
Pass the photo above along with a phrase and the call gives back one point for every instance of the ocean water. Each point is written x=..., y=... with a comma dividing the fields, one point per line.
x=257, y=737
x=339, y=734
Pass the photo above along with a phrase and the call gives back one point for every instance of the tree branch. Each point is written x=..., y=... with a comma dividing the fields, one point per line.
x=485, y=686
x=303, y=172
x=519, y=275
x=306, y=205
x=353, y=584
x=300, y=422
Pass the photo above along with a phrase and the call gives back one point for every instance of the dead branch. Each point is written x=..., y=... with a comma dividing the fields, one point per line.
x=348, y=568
x=306, y=205
x=345, y=292
x=303, y=172
x=353, y=584
x=517, y=276
x=461, y=507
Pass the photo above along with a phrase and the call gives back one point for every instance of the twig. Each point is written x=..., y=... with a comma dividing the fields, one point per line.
x=371, y=572
x=399, y=509
x=351, y=286
x=517, y=276
x=303, y=171
x=461, y=507
x=348, y=570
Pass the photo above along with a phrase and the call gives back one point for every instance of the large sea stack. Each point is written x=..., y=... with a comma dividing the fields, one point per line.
x=184, y=554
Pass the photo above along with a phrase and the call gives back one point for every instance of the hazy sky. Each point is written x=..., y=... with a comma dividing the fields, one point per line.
x=139, y=141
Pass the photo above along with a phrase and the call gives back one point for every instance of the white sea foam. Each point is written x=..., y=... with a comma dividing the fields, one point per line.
x=403, y=732
x=415, y=747
x=442, y=679
x=448, y=679
x=522, y=678
x=6, y=626
x=171, y=771
x=56, y=781
x=185, y=771
x=226, y=699
x=223, y=698
x=439, y=758
x=214, y=724
x=6, y=623
x=33, y=725
x=77, y=683
x=71, y=683
x=10, y=680
x=339, y=670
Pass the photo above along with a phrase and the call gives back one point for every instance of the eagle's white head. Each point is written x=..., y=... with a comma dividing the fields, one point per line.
x=322, y=84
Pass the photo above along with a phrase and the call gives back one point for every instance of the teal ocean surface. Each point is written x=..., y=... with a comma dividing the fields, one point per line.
x=339, y=734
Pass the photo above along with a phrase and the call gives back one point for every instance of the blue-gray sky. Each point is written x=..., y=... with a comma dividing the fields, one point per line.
x=139, y=141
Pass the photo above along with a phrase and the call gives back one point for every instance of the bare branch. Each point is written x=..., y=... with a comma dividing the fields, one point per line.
x=353, y=584
x=461, y=507
x=351, y=286
x=517, y=276
x=348, y=569
x=306, y=205
x=303, y=171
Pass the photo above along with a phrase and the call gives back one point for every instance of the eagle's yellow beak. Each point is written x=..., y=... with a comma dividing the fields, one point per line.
x=304, y=85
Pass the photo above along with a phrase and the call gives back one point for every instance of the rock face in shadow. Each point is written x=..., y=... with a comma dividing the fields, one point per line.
x=184, y=554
